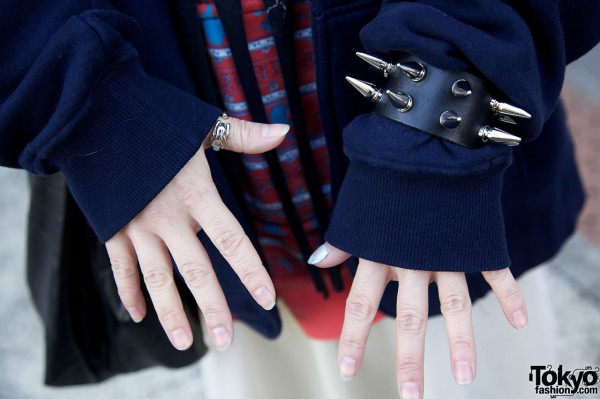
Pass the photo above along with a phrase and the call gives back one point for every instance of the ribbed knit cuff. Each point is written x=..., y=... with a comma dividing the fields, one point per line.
x=421, y=221
x=136, y=134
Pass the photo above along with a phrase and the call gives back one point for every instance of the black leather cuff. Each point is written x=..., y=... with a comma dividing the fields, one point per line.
x=456, y=106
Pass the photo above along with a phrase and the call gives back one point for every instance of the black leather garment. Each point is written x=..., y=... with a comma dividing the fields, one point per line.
x=89, y=335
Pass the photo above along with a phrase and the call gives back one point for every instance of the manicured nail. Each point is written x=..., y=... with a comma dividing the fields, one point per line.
x=221, y=338
x=136, y=314
x=265, y=298
x=410, y=390
x=463, y=373
x=520, y=319
x=347, y=368
x=180, y=339
x=319, y=255
x=274, y=131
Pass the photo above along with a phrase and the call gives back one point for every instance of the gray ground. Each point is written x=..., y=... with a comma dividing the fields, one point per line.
x=572, y=278
x=584, y=74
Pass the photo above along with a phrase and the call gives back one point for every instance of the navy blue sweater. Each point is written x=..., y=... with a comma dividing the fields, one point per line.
x=102, y=92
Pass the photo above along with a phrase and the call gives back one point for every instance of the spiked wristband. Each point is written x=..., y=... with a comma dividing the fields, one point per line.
x=455, y=106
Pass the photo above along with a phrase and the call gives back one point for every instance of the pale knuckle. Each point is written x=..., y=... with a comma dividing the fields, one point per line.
x=229, y=243
x=206, y=196
x=214, y=316
x=495, y=276
x=361, y=308
x=409, y=365
x=461, y=343
x=187, y=194
x=158, y=212
x=454, y=304
x=411, y=322
x=511, y=295
x=352, y=343
x=250, y=275
x=128, y=295
x=157, y=279
x=123, y=269
x=245, y=127
x=214, y=222
x=193, y=195
x=167, y=316
x=244, y=133
x=196, y=275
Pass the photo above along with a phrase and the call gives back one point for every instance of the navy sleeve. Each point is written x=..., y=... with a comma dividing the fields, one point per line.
x=416, y=201
x=74, y=98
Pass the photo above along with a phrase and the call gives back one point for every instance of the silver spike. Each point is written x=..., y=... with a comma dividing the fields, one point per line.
x=414, y=70
x=461, y=88
x=367, y=89
x=498, y=136
x=507, y=109
x=450, y=120
x=506, y=119
x=402, y=101
x=377, y=63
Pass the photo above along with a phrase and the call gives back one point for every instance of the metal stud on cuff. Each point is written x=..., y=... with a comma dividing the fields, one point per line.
x=220, y=133
x=463, y=110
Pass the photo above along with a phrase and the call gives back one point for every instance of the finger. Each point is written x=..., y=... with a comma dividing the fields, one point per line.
x=327, y=256
x=411, y=323
x=455, y=305
x=198, y=193
x=125, y=271
x=251, y=137
x=229, y=238
x=195, y=267
x=509, y=295
x=157, y=269
x=361, y=307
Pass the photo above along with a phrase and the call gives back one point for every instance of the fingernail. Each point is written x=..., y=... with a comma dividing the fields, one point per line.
x=274, y=131
x=265, y=298
x=520, y=319
x=410, y=390
x=136, y=314
x=463, y=372
x=319, y=255
x=180, y=339
x=221, y=338
x=347, y=368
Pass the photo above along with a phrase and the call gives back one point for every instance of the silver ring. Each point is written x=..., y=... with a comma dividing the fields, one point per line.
x=220, y=133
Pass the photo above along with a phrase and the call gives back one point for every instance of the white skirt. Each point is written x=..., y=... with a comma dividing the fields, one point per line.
x=296, y=367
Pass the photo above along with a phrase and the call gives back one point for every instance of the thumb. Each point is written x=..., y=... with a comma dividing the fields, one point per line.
x=251, y=137
x=327, y=256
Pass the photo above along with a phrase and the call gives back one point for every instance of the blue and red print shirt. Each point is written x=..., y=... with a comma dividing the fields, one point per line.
x=319, y=317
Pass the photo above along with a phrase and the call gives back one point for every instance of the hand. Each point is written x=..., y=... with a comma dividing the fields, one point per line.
x=411, y=320
x=168, y=227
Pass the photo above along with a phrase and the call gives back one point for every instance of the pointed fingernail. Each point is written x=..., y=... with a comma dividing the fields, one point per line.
x=136, y=314
x=319, y=255
x=410, y=390
x=519, y=319
x=221, y=338
x=265, y=298
x=275, y=131
x=181, y=339
x=347, y=368
x=463, y=372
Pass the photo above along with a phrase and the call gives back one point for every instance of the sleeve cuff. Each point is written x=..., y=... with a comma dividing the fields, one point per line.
x=447, y=218
x=135, y=136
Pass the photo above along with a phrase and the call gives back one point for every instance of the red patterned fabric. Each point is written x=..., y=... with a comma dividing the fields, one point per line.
x=318, y=317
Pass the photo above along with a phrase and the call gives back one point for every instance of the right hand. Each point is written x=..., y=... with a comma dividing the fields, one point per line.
x=168, y=227
x=412, y=310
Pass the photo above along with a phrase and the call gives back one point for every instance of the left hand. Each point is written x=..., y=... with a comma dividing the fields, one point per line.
x=411, y=320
